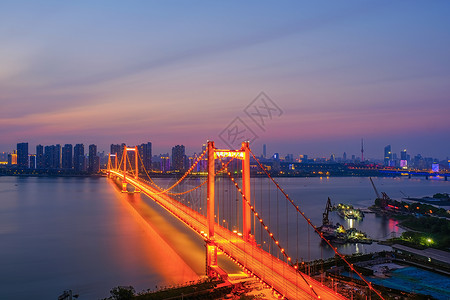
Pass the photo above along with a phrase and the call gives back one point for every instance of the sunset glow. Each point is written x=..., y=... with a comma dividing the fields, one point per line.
x=180, y=73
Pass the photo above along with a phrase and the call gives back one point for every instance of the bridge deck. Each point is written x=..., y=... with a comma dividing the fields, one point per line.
x=276, y=273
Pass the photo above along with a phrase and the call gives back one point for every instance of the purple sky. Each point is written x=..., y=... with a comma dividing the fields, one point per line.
x=174, y=72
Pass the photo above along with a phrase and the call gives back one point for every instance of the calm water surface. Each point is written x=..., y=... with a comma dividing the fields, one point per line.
x=83, y=234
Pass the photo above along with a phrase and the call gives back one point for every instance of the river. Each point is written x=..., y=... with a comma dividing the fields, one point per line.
x=83, y=234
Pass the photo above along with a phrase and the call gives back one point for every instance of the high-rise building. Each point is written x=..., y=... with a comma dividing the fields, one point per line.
x=12, y=158
x=78, y=158
x=3, y=157
x=165, y=163
x=145, y=152
x=67, y=156
x=48, y=157
x=52, y=156
x=40, y=162
x=116, y=150
x=94, y=160
x=22, y=155
x=264, y=151
x=344, y=157
x=57, y=156
x=403, y=154
x=403, y=159
x=178, y=158
x=387, y=155
x=32, y=159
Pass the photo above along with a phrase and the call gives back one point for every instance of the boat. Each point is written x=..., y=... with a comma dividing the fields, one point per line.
x=337, y=233
x=328, y=230
x=347, y=211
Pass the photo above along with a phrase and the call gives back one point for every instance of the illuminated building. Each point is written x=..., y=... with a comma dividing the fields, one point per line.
x=403, y=159
x=22, y=155
x=178, y=158
x=40, y=162
x=435, y=167
x=165, y=163
x=78, y=158
x=67, y=157
x=387, y=155
x=12, y=158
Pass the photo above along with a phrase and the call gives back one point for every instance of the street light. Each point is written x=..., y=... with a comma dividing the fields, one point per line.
x=223, y=222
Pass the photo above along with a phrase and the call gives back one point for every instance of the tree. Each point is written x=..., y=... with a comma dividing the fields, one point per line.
x=122, y=293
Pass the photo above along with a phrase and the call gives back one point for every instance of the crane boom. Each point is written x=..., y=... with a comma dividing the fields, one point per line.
x=325, y=220
x=376, y=192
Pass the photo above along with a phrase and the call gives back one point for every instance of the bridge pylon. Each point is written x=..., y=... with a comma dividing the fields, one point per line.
x=124, y=181
x=244, y=155
x=136, y=167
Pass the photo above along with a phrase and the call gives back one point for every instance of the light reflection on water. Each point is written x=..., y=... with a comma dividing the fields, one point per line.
x=80, y=234
x=161, y=258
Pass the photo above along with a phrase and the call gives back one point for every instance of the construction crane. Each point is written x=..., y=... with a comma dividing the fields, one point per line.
x=376, y=191
x=384, y=200
x=325, y=220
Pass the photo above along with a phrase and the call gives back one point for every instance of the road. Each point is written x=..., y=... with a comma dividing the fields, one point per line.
x=276, y=273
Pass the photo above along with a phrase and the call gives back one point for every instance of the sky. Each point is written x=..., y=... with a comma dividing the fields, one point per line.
x=184, y=72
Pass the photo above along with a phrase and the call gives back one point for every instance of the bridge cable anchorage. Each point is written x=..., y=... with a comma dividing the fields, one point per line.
x=282, y=250
x=369, y=284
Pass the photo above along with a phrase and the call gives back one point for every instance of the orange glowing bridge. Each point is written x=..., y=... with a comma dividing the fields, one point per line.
x=245, y=244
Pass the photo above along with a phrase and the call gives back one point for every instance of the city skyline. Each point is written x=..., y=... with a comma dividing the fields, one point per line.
x=388, y=157
x=72, y=73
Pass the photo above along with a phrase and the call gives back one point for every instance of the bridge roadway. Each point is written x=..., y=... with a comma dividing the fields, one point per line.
x=273, y=271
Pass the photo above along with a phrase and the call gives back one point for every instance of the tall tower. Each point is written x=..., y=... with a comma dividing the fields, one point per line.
x=362, y=150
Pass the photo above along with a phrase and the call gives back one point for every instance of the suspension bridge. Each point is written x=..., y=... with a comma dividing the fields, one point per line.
x=247, y=232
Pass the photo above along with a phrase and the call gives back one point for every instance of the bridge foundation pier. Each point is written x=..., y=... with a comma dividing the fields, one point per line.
x=211, y=259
